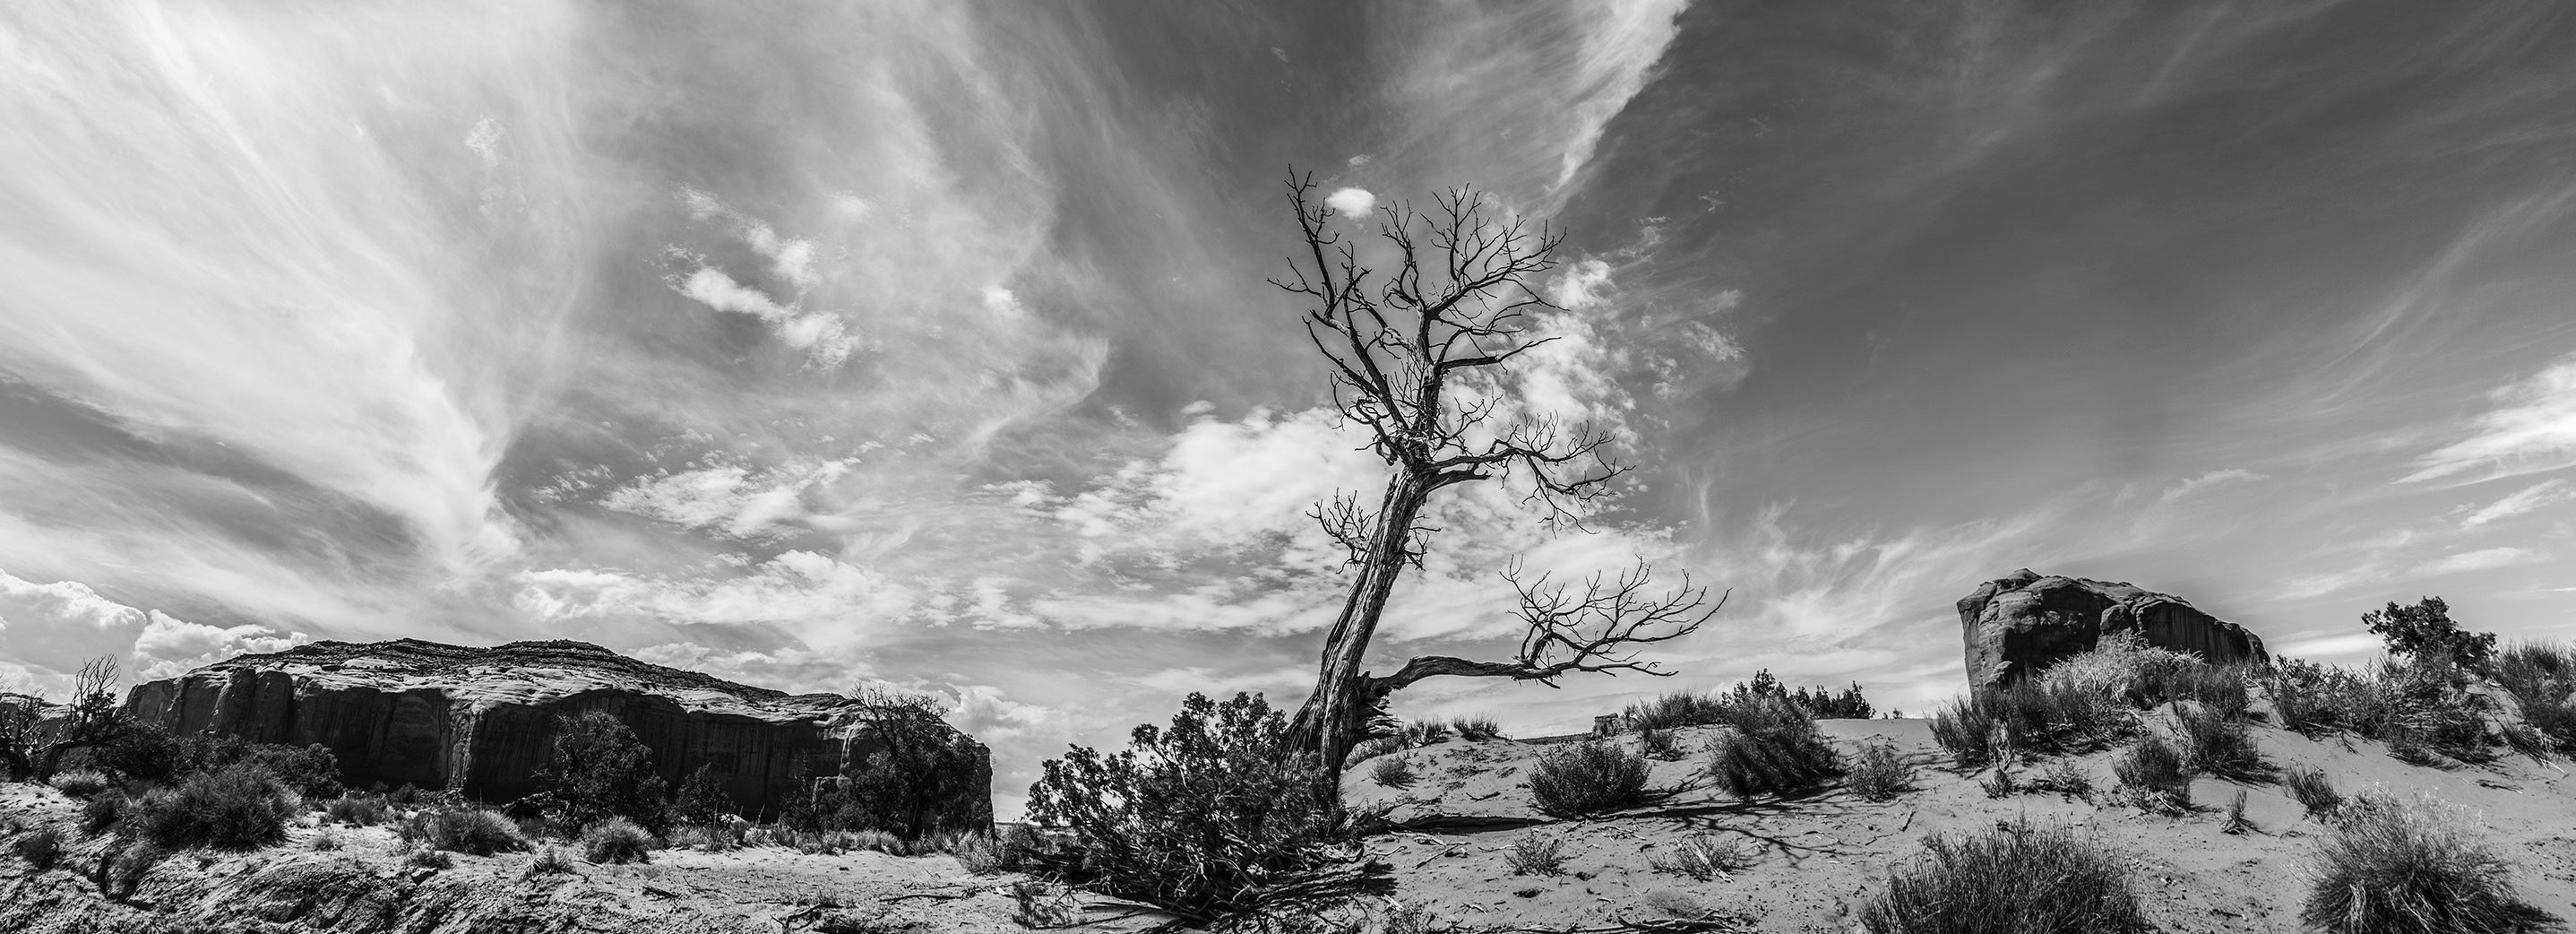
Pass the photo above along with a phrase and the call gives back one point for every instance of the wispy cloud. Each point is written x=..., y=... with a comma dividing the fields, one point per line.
x=2479, y=560
x=2526, y=500
x=2530, y=428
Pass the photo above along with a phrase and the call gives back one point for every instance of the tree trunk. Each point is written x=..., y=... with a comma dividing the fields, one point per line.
x=1338, y=711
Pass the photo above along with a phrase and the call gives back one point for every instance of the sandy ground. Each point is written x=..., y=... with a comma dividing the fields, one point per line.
x=1816, y=859
x=1813, y=860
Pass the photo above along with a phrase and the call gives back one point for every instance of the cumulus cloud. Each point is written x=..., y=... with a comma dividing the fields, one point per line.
x=1581, y=286
x=2530, y=428
x=168, y=646
x=1354, y=203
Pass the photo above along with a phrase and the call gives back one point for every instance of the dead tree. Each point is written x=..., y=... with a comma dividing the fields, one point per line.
x=1417, y=355
x=33, y=739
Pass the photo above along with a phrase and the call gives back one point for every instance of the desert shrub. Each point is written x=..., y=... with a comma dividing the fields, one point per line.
x=1688, y=708
x=597, y=770
x=548, y=862
x=462, y=829
x=2417, y=706
x=361, y=811
x=311, y=771
x=39, y=847
x=2217, y=689
x=2155, y=766
x=426, y=858
x=1659, y=743
x=240, y=807
x=1534, y=855
x=2030, y=716
x=985, y=853
x=617, y=840
x=326, y=841
x=2016, y=879
x=1965, y=730
x=103, y=812
x=1587, y=778
x=1424, y=733
x=2235, y=823
x=1209, y=818
x=2214, y=744
x=1394, y=772
x=2314, y=791
x=2000, y=784
x=701, y=800
x=1703, y=856
x=2120, y=665
x=2062, y=778
x=2542, y=679
x=1774, y=750
x=2389, y=867
x=80, y=783
x=1879, y=773
x=122, y=868
x=1478, y=728
x=2425, y=631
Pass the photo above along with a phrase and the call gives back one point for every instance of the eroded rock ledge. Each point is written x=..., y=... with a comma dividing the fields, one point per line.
x=482, y=719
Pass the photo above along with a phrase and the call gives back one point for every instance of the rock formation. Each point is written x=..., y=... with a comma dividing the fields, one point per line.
x=482, y=720
x=2020, y=623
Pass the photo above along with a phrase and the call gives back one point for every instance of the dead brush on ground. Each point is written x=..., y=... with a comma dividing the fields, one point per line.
x=1704, y=856
x=462, y=829
x=1534, y=855
x=2015, y=879
x=2413, y=867
x=1394, y=772
x=1879, y=773
x=2314, y=791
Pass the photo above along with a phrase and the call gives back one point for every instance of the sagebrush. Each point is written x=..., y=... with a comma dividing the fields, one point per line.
x=1589, y=777
x=1773, y=749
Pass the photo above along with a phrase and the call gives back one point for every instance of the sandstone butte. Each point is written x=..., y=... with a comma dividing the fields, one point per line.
x=481, y=720
x=2024, y=621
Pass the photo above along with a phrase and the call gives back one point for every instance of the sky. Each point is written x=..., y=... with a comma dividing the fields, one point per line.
x=928, y=343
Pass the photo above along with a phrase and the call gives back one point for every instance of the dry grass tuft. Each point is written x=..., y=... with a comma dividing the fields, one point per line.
x=1705, y=856
x=2016, y=879
x=2392, y=867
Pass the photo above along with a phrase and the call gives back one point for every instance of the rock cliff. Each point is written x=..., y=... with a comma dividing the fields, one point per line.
x=482, y=719
x=2023, y=621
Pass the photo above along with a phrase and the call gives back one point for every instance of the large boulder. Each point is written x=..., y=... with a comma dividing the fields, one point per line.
x=2022, y=622
x=481, y=720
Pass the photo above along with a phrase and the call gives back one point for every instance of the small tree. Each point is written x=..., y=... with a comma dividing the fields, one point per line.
x=702, y=800
x=2425, y=631
x=920, y=778
x=599, y=770
x=1419, y=356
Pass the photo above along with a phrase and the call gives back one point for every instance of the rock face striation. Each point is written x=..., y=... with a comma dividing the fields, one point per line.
x=2022, y=622
x=481, y=720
